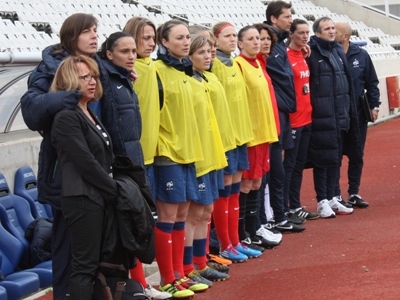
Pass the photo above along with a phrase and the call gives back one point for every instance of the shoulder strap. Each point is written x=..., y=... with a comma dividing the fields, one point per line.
x=106, y=288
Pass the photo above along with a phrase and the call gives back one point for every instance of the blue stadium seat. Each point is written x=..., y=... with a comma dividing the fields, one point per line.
x=12, y=250
x=18, y=284
x=25, y=185
x=15, y=217
x=3, y=293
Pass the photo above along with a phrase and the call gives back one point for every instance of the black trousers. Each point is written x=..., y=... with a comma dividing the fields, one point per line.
x=356, y=160
x=61, y=255
x=85, y=221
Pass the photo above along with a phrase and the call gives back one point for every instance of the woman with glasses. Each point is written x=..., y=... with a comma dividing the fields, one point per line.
x=85, y=156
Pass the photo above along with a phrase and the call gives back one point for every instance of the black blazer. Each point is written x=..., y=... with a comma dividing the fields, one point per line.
x=84, y=157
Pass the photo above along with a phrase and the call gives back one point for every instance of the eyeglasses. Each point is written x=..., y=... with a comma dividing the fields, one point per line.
x=89, y=77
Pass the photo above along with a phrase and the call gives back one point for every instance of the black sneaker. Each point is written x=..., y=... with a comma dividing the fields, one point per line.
x=260, y=241
x=344, y=203
x=302, y=213
x=295, y=218
x=289, y=227
x=249, y=243
x=357, y=201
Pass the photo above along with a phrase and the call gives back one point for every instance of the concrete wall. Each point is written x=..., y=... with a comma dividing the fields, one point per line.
x=15, y=154
x=358, y=13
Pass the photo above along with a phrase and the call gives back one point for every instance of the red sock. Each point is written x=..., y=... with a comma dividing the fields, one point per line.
x=178, y=248
x=220, y=218
x=199, y=253
x=163, y=244
x=233, y=218
x=138, y=274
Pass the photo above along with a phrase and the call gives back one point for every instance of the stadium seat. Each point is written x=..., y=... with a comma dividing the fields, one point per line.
x=25, y=186
x=13, y=250
x=16, y=284
x=3, y=293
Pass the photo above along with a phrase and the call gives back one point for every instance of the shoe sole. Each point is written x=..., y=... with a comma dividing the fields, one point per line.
x=358, y=206
x=328, y=217
x=313, y=218
x=235, y=261
x=342, y=213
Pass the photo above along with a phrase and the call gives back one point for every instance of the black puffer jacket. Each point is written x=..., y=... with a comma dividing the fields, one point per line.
x=332, y=100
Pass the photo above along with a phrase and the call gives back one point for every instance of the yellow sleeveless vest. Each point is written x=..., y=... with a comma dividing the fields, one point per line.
x=221, y=109
x=232, y=80
x=260, y=104
x=146, y=88
x=211, y=143
x=178, y=138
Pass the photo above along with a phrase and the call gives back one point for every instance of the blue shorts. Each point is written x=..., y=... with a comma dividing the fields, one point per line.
x=208, y=188
x=176, y=183
x=237, y=160
x=152, y=180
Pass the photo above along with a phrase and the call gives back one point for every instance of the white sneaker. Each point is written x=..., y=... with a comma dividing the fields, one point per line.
x=269, y=235
x=339, y=208
x=154, y=294
x=325, y=210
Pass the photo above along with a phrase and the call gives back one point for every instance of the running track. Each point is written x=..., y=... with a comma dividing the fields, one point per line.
x=353, y=257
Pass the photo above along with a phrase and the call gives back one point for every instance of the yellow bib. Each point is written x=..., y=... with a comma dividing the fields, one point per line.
x=260, y=104
x=146, y=88
x=178, y=138
x=232, y=80
x=211, y=143
x=221, y=109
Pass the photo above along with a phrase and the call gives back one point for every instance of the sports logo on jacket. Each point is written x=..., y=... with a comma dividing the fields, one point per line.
x=356, y=63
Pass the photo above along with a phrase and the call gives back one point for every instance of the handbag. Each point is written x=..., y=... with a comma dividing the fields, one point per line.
x=366, y=108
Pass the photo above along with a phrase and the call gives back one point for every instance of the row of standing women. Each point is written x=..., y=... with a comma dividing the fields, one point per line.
x=202, y=132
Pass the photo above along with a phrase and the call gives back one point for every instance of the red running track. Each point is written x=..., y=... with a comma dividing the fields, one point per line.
x=350, y=257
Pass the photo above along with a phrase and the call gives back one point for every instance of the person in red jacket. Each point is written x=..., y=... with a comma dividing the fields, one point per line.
x=300, y=121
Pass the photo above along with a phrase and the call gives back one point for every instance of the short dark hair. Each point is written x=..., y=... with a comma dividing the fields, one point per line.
x=271, y=33
x=274, y=8
x=110, y=43
x=316, y=27
x=70, y=30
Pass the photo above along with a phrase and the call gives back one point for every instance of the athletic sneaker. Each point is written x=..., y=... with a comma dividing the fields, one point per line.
x=295, y=218
x=324, y=209
x=302, y=213
x=176, y=290
x=339, y=208
x=195, y=276
x=357, y=201
x=270, y=225
x=218, y=267
x=219, y=259
x=344, y=203
x=232, y=254
x=259, y=240
x=249, y=243
x=192, y=285
x=211, y=274
x=287, y=226
x=250, y=253
x=154, y=294
x=271, y=235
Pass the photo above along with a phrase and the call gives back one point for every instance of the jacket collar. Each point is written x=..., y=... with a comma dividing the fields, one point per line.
x=114, y=69
x=282, y=35
x=51, y=60
x=184, y=66
x=323, y=44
